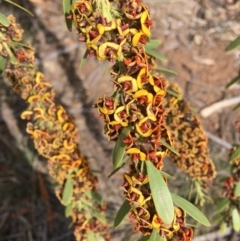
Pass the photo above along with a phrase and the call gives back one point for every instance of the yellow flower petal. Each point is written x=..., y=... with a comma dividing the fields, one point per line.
x=156, y=222
x=69, y=144
x=102, y=50
x=134, y=150
x=127, y=78
x=26, y=114
x=136, y=38
x=145, y=29
x=33, y=98
x=100, y=28
x=39, y=77
x=142, y=72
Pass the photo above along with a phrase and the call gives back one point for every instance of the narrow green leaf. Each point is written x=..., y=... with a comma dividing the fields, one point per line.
x=190, y=209
x=100, y=238
x=122, y=212
x=67, y=11
x=167, y=175
x=235, y=154
x=237, y=189
x=162, y=238
x=83, y=60
x=95, y=196
x=155, y=54
x=68, y=191
x=13, y=60
x=173, y=93
x=99, y=216
x=153, y=44
x=234, y=44
x=144, y=238
x=236, y=220
x=91, y=236
x=4, y=20
x=236, y=107
x=161, y=196
x=217, y=217
x=119, y=148
x=233, y=81
x=3, y=62
x=223, y=227
x=222, y=204
x=166, y=71
x=106, y=10
x=163, y=142
x=19, y=6
x=68, y=210
x=156, y=237
x=117, y=169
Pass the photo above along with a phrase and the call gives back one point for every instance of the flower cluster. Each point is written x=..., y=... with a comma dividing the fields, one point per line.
x=143, y=213
x=229, y=213
x=190, y=141
x=135, y=110
x=230, y=183
x=55, y=138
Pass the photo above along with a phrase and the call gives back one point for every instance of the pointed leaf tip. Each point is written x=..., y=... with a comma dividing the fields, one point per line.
x=190, y=209
x=122, y=212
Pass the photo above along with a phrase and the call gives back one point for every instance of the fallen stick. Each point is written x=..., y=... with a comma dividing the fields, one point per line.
x=218, y=106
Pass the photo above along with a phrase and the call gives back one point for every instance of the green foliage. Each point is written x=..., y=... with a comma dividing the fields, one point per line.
x=237, y=189
x=235, y=154
x=160, y=193
x=233, y=81
x=119, y=149
x=12, y=58
x=4, y=20
x=236, y=219
x=122, y=212
x=144, y=238
x=91, y=236
x=95, y=196
x=68, y=209
x=83, y=60
x=3, y=62
x=234, y=44
x=117, y=169
x=153, y=44
x=190, y=209
x=20, y=7
x=164, y=143
x=150, y=49
x=67, y=12
x=156, y=54
x=222, y=204
x=166, y=71
x=173, y=93
x=68, y=191
x=99, y=216
x=156, y=237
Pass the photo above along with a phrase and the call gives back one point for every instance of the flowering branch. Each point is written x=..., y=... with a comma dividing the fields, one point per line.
x=55, y=137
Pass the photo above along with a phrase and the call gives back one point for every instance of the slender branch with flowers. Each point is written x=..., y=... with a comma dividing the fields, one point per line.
x=54, y=135
x=134, y=115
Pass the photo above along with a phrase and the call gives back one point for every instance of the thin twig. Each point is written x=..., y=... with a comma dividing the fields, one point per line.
x=218, y=140
x=218, y=106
